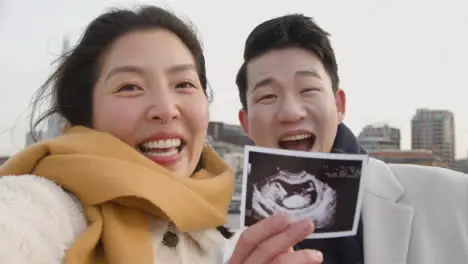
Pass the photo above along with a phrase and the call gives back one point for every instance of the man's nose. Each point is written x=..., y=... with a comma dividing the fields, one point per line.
x=291, y=110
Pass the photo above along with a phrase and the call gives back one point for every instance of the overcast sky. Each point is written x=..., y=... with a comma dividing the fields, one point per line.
x=394, y=56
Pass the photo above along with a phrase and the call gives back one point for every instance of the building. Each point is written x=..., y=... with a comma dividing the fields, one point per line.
x=434, y=130
x=370, y=144
x=32, y=137
x=224, y=148
x=379, y=137
x=236, y=161
x=229, y=141
x=417, y=157
x=3, y=159
x=233, y=155
x=56, y=123
x=66, y=47
x=462, y=165
x=232, y=134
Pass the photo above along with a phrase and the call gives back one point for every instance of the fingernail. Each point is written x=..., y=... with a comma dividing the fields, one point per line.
x=319, y=256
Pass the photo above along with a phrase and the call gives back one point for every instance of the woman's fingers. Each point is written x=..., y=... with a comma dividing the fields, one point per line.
x=278, y=244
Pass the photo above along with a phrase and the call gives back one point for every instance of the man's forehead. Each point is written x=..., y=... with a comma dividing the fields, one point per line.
x=286, y=63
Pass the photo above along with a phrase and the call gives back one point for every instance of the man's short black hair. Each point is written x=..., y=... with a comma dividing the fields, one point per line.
x=289, y=31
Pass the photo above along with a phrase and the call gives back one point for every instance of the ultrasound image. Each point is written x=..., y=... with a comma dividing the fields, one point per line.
x=301, y=195
x=324, y=188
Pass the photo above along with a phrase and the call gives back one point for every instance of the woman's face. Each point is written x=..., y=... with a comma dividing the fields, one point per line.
x=148, y=95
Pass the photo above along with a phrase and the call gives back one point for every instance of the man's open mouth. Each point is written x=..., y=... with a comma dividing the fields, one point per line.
x=300, y=142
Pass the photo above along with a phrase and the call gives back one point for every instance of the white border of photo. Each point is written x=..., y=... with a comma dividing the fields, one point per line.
x=317, y=155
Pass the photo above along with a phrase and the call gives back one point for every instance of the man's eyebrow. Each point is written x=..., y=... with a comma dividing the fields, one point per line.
x=308, y=73
x=265, y=82
x=269, y=80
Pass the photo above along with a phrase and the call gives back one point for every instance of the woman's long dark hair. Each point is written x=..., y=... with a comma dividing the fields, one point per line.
x=70, y=87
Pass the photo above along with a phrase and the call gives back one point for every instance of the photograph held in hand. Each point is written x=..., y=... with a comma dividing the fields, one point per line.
x=322, y=187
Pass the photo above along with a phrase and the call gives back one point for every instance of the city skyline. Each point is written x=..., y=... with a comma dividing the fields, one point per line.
x=386, y=75
x=391, y=140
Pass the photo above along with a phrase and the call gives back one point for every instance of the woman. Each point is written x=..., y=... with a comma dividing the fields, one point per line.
x=130, y=180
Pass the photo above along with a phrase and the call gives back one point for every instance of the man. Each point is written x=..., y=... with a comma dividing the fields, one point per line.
x=289, y=89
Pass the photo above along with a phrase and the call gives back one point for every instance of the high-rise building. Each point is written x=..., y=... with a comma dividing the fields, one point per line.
x=66, y=45
x=434, y=130
x=236, y=161
x=3, y=159
x=233, y=134
x=379, y=137
x=31, y=137
x=56, y=123
x=461, y=165
x=234, y=156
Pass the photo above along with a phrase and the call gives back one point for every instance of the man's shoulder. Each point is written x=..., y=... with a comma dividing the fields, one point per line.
x=422, y=172
x=421, y=180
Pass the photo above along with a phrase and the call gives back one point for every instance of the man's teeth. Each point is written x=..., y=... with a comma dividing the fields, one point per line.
x=296, y=137
x=162, y=144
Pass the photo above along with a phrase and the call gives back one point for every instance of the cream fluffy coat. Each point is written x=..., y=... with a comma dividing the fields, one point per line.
x=39, y=222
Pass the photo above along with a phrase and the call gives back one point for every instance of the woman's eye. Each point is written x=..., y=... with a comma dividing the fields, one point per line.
x=128, y=88
x=185, y=85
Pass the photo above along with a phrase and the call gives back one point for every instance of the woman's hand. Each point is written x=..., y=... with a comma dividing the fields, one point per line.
x=270, y=241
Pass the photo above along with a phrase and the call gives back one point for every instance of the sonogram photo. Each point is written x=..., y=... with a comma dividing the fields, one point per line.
x=325, y=188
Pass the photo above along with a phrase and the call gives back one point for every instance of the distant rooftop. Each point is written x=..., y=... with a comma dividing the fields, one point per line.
x=3, y=159
x=364, y=138
x=403, y=153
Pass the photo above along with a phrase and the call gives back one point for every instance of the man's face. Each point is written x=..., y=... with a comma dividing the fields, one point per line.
x=291, y=103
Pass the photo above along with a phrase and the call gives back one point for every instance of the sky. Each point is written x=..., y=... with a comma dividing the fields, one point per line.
x=394, y=56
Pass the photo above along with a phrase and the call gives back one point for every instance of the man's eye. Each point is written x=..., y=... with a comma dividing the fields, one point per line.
x=185, y=85
x=266, y=97
x=308, y=90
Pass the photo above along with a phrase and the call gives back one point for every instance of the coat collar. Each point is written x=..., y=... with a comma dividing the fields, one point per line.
x=346, y=142
x=387, y=222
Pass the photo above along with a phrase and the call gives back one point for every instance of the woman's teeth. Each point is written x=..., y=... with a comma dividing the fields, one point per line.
x=162, y=144
x=161, y=147
x=168, y=153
